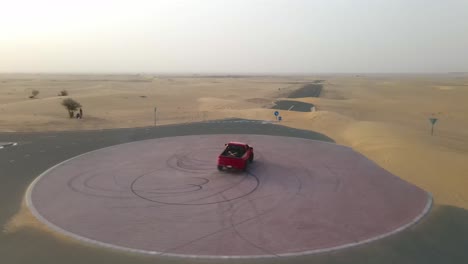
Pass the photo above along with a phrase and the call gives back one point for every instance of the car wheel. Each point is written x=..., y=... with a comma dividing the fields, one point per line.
x=251, y=158
x=220, y=168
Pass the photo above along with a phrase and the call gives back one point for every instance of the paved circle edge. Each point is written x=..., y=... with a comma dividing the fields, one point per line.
x=62, y=231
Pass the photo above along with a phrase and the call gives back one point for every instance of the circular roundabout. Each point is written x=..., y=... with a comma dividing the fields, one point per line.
x=165, y=196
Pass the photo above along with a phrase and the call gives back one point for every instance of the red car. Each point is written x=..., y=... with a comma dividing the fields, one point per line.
x=236, y=155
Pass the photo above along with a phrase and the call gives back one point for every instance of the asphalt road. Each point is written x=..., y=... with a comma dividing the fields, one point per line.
x=292, y=106
x=442, y=237
x=308, y=90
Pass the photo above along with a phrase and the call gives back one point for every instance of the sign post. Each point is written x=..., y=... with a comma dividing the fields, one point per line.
x=155, y=109
x=433, y=120
x=276, y=114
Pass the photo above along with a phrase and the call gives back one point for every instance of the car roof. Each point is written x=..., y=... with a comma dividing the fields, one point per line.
x=237, y=143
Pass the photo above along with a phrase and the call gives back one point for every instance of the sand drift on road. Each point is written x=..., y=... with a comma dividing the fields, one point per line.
x=165, y=196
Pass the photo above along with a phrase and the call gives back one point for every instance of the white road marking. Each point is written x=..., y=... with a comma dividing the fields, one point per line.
x=7, y=144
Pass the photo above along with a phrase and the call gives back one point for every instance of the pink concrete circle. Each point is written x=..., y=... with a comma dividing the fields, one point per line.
x=165, y=196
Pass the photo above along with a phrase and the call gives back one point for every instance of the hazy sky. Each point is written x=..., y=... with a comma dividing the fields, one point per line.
x=216, y=36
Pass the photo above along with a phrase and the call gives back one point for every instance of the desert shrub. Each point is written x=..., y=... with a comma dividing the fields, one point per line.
x=71, y=106
x=34, y=94
x=63, y=93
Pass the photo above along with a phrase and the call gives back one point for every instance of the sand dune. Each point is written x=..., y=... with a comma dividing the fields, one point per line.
x=388, y=122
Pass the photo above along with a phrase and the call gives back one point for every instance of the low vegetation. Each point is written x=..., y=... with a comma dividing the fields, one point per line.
x=63, y=93
x=34, y=94
x=71, y=106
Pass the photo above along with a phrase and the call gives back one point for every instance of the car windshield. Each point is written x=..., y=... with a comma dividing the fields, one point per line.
x=233, y=131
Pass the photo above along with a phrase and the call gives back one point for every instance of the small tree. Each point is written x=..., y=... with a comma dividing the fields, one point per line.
x=71, y=106
x=34, y=93
x=63, y=93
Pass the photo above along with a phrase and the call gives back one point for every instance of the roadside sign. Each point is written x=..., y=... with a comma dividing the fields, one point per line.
x=155, y=110
x=433, y=120
x=280, y=118
x=276, y=113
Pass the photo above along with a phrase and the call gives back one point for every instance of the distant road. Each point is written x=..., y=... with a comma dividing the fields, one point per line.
x=308, y=90
x=293, y=106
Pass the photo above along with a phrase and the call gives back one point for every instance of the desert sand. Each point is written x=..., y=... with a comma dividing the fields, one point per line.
x=385, y=117
x=129, y=101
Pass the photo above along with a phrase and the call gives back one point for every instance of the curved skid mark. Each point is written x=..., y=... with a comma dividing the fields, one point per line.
x=183, y=193
x=190, y=202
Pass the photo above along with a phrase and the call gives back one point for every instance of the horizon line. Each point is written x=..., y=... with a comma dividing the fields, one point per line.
x=220, y=73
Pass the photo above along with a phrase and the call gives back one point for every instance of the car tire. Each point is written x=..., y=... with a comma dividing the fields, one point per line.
x=220, y=168
x=245, y=166
x=251, y=158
